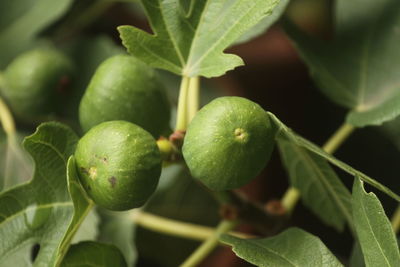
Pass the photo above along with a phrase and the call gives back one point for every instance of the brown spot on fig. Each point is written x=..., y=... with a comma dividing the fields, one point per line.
x=84, y=170
x=112, y=181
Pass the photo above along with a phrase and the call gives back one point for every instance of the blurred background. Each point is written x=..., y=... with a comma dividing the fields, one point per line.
x=273, y=76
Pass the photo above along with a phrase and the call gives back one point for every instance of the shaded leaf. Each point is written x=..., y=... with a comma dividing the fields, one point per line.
x=89, y=229
x=356, y=257
x=41, y=211
x=293, y=247
x=90, y=253
x=282, y=129
x=321, y=189
x=15, y=164
x=359, y=69
x=118, y=229
x=22, y=20
x=82, y=206
x=190, y=36
x=375, y=234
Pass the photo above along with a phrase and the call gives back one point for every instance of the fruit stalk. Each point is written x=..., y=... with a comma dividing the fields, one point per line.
x=204, y=249
x=194, y=94
x=176, y=228
x=181, y=114
x=7, y=119
x=396, y=220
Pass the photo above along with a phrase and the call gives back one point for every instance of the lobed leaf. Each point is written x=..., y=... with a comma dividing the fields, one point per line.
x=321, y=189
x=265, y=23
x=293, y=247
x=359, y=69
x=41, y=212
x=190, y=36
x=377, y=239
x=16, y=165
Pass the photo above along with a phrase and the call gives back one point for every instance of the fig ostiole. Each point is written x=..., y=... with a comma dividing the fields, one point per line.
x=119, y=164
x=124, y=88
x=228, y=143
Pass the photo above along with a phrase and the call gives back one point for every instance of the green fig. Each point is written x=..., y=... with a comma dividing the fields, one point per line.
x=119, y=164
x=228, y=143
x=34, y=82
x=124, y=88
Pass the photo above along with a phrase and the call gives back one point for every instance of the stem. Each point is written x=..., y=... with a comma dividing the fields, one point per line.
x=396, y=220
x=181, y=116
x=290, y=199
x=194, y=94
x=204, y=249
x=338, y=138
x=292, y=195
x=176, y=228
x=6, y=117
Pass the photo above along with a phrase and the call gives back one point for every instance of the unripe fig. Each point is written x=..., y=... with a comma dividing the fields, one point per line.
x=124, y=88
x=228, y=143
x=118, y=164
x=33, y=82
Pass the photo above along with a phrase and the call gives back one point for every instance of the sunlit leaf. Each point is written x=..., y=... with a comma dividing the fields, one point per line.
x=190, y=36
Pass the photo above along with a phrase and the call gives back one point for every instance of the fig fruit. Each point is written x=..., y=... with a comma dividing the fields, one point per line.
x=124, y=88
x=118, y=164
x=34, y=81
x=228, y=143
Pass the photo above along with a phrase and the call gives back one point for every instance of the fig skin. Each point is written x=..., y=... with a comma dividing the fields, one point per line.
x=119, y=165
x=124, y=88
x=228, y=143
x=35, y=81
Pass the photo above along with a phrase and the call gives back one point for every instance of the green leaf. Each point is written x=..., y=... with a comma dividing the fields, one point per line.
x=321, y=189
x=91, y=253
x=377, y=239
x=41, y=211
x=16, y=166
x=282, y=129
x=359, y=69
x=82, y=205
x=293, y=247
x=189, y=39
x=356, y=257
x=22, y=20
x=89, y=229
x=265, y=23
x=118, y=228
